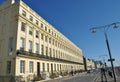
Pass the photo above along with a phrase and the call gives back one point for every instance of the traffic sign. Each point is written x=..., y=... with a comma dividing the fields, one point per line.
x=111, y=59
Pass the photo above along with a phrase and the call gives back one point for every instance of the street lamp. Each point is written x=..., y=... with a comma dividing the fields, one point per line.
x=103, y=59
x=104, y=29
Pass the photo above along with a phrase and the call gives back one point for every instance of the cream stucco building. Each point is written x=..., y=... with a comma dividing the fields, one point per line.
x=89, y=64
x=30, y=46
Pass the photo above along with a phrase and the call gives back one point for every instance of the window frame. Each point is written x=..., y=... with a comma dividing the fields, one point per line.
x=31, y=18
x=41, y=25
x=30, y=46
x=22, y=66
x=42, y=36
x=31, y=66
x=37, y=22
x=24, y=13
x=23, y=26
x=22, y=43
x=46, y=51
x=11, y=45
x=37, y=48
x=43, y=67
x=8, y=68
x=48, y=69
x=30, y=30
x=42, y=49
x=37, y=34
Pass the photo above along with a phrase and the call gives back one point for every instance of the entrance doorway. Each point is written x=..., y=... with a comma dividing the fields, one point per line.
x=52, y=68
x=38, y=68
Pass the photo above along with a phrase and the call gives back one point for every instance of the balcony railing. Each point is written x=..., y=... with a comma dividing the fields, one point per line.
x=26, y=53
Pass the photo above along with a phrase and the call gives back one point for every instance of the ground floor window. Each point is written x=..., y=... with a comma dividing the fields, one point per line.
x=8, y=67
x=55, y=67
x=48, y=67
x=22, y=66
x=31, y=67
x=58, y=67
x=43, y=65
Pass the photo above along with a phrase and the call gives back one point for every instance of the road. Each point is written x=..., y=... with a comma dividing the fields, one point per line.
x=86, y=77
x=83, y=77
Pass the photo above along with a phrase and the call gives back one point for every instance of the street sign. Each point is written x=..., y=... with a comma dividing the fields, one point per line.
x=111, y=59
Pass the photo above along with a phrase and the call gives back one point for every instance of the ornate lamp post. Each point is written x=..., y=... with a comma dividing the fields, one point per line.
x=104, y=29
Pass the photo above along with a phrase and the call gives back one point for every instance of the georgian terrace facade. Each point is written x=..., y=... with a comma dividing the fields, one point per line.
x=30, y=45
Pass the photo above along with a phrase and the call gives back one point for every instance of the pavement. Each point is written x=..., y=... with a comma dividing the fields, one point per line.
x=97, y=78
x=109, y=79
x=61, y=79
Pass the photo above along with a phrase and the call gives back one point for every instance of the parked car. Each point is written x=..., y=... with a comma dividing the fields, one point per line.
x=90, y=71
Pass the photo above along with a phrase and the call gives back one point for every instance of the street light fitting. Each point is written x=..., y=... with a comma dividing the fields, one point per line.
x=93, y=30
x=104, y=29
x=115, y=26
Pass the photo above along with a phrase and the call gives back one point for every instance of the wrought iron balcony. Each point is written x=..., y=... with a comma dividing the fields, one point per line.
x=26, y=53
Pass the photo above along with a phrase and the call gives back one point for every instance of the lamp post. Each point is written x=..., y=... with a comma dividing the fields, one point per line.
x=103, y=59
x=104, y=29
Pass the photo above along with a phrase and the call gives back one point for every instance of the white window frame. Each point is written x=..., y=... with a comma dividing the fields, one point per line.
x=22, y=66
x=31, y=66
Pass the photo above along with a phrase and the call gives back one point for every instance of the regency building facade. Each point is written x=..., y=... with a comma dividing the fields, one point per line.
x=29, y=45
x=89, y=64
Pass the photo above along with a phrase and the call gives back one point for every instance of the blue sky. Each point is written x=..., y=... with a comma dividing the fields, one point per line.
x=74, y=18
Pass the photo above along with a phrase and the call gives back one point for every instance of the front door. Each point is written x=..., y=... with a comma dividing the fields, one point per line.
x=38, y=68
x=52, y=68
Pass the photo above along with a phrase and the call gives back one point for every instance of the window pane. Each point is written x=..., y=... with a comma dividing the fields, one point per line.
x=37, y=48
x=30, y=46
x=37, y=22
x=31, y=67
x=46, y=38
x=45, y=28
x=30, y=30
x=53, y=52
x=24, y=13
x=46, y=51
x=0, y=48
x=41, y=25
x=37, y=34
x=10, y=46
x=42, y=49
x=43, y=67
x=22, y=42
x=50, y=52
x=31, y=18
x=49, y=40
x=48, y=67
x=58, y=67
x=49, y=31
x=55, y=67
x=22, y=66
x=42, y=36
x=8, y=67
x=22, y=26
